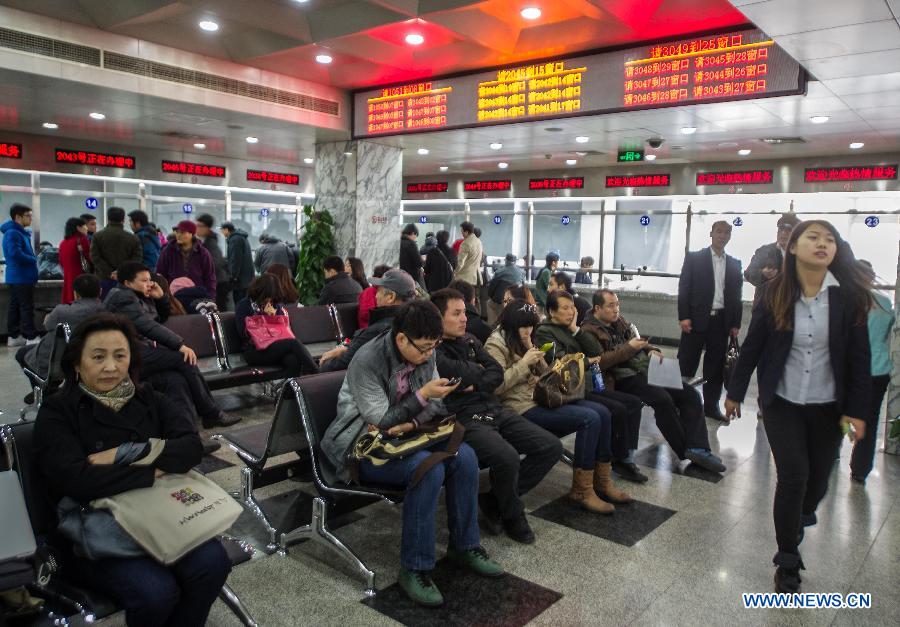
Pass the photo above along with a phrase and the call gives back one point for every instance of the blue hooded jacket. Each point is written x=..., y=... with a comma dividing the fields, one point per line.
x=21, y=263
x=150, y=246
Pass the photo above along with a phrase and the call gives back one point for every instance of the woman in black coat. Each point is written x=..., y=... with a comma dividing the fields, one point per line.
x=809, y=340
x=104, y=434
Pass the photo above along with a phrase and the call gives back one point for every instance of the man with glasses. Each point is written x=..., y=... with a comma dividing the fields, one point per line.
x=498, y=435
x=21, y=276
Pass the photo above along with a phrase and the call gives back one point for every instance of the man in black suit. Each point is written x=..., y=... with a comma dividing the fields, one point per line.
x=709, y=310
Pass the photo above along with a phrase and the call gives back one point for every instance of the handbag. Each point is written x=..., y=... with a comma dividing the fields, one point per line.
x=379, y=448
x=731, y=357
x=85, y=264
x=264, y=330
x=94, y=533
x=563, y=383
x=174, y=516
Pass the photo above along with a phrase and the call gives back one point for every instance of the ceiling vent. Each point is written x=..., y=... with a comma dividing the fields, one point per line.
x=782, y=140
x=47, y=47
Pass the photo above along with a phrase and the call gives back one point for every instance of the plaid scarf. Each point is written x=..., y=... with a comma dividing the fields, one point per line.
x=116, y=398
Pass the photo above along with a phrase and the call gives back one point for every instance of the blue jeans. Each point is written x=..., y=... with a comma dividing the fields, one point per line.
x=154, y=594
x=460, y=475
x=590, y=421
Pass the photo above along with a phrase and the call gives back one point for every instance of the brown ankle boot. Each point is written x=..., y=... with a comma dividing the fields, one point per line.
x=603, y=484
x=583, y=493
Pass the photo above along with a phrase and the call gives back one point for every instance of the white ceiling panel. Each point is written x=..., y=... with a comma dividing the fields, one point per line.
x=787, y=17
x=844, y=40
x=864, y=84
x=883, y=99
x=853, y=65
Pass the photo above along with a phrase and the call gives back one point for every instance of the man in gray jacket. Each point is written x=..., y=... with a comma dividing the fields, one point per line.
x=273, y=250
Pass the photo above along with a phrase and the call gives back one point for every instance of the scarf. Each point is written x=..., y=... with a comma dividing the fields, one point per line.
x=116, y=398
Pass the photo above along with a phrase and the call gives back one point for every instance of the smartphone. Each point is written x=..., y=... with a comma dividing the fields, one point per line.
x=454, y=381
x=547, y=346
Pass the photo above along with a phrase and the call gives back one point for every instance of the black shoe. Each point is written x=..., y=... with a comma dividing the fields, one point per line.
x=489, y=520
x=222, y=420
x=629, y=471
x=787, y=579
x=715, y=414
x=858, y=479
x=211, y=446
x=29, y=400
x=519, y=530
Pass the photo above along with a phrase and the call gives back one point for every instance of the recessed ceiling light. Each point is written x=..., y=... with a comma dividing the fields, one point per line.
x=209, y=26
x=444, y=168
x=348, y=153
x=688, y=130
x=649, y=157
x=301, y=1
x=496, y=145
x=530, y=13
x=571, y=161
x=95, y=115
x=819, y=119
x=324, y=58
x=582, y=139
x=744, y=152
x=856, y=145
x=423, y=151
x=581, y=153
x=415, y=39
x=308, y=160
x=200, y=146
x=252, y=140
x=50, y=125
x=503, y=165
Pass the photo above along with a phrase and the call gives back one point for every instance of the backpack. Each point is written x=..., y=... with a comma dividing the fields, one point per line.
x=48, y=262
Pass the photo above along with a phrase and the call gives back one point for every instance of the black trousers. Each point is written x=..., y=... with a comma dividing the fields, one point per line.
x=238, y=295
x=290, y=354
x=804, y=440
x=20, y=314
x=499, y=442
x=223, y=296
x=864, y=450
x=679, y=413
x=179, y=378
x=715, y=340
x=626, y=419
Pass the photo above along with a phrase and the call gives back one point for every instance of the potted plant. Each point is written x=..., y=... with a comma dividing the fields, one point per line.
x=316, y=243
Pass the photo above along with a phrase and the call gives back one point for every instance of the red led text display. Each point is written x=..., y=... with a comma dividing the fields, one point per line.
x=638, y=180
x=559, y=183
x=265, y=176
x=85, y=157
x=734, y=65
x=487, y=186
x=426, y=188
x=197, y=169
x=851, y=173
x=10, y=151
x=747, y=177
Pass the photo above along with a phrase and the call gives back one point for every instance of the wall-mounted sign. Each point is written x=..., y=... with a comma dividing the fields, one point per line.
x=565, y=220
x=498, y=219
x=487, y=186
x=730, y=66
x=645, y=220
x=264, y=212
x=851, y=173
x=872, y=221
x=423, y=219
x=264, y=176
x=737, y=222
x=576, y=182
x=626, y=156
x=9, y=150
x=744, y=177
x=91, y=203
x=86, y=157
x=196, y=169
x=639, y=180
x=427, y=188
x=187, y=207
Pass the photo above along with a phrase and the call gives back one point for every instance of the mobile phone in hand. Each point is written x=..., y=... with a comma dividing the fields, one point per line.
x=454, y=381
x=547, y=347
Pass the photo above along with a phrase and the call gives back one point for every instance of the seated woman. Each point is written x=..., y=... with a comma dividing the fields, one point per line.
x=512, y=346
x=262, y=300
x=289, y=294
x=93, y=439
x=518, y=292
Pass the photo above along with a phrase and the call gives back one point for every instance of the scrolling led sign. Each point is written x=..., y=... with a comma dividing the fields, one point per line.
x=10, y=151
x=639, y=180
x=264, y=176
x=487, y=186
x=86, y=157
x=426, y=188
x=746, y=177
x=558, y=183
x=196, y=169
x=851, y=173
x=735, y=65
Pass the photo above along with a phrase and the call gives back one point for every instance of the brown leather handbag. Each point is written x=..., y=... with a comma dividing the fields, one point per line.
x=563, y=383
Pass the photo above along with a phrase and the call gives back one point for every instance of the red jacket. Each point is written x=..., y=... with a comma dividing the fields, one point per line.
x=366, y=303
x=70, y=260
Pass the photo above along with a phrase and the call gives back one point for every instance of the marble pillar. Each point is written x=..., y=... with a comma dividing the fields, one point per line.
x=360, y=184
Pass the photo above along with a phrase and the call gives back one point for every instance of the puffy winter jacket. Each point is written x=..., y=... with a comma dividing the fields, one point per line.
x=21, y=262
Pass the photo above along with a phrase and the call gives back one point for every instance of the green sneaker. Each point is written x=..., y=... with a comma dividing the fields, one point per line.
x=477, y=561
x=419, y=587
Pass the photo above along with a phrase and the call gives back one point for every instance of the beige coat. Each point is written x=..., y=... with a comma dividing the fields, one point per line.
x=517, y=390
x=468, y=262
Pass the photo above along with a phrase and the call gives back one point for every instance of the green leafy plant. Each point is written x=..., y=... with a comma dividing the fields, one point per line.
x=316, y=243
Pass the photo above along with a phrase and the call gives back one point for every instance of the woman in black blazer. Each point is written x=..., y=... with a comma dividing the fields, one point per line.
x=809, y=340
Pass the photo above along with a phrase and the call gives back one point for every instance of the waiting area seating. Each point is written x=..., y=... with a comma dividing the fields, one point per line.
x=41, y=386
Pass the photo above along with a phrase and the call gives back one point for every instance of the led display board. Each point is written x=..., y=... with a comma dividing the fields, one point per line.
x=264, y=176
x=10, y=151
x=196, y=169
x=713, y=68
x=744, y=177
x=576, y=182
x=639, y=180
x=427, y=188
x=87, y=157
x=851, y=173
x=487, y=186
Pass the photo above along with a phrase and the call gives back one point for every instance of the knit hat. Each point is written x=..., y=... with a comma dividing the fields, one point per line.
x=179, y=284
x=187, y=226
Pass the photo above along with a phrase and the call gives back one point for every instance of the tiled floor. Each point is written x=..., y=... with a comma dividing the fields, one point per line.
x=681, y=555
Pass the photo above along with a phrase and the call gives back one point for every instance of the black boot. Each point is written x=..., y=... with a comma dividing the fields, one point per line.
x=787, y=573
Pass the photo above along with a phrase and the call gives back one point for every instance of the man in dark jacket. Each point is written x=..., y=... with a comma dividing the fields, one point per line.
x=394, y=289
x=766, y=261
x=21, y=276
x=272, y=250
x=475, y=324
x=240, y=260
x=498, y=435
x=150, y=244
x=112, y=246
x=143, y=302
x=188, y=257
x=410, y=259
x=210, y=242
x=339, y=286
x=709, y=311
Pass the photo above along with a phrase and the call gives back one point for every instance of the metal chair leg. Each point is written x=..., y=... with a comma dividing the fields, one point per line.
x=249, y=501
x=568, y=457
x=234, y=603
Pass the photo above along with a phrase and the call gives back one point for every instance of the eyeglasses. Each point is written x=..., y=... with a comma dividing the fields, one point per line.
x=427, y=349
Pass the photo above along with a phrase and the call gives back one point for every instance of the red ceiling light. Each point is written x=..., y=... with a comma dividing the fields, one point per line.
x=414, y=39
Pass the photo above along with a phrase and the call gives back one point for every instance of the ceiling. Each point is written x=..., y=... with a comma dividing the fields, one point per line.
x=852, y=48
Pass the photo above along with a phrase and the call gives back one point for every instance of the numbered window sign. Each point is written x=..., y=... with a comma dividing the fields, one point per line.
x=498, y=219
x=872, y=221
x=264, y=212
x=565, y=220
x=91, y=203
x=187, y=207
x=423, y=219
x=737, y=222
x=645, y=220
